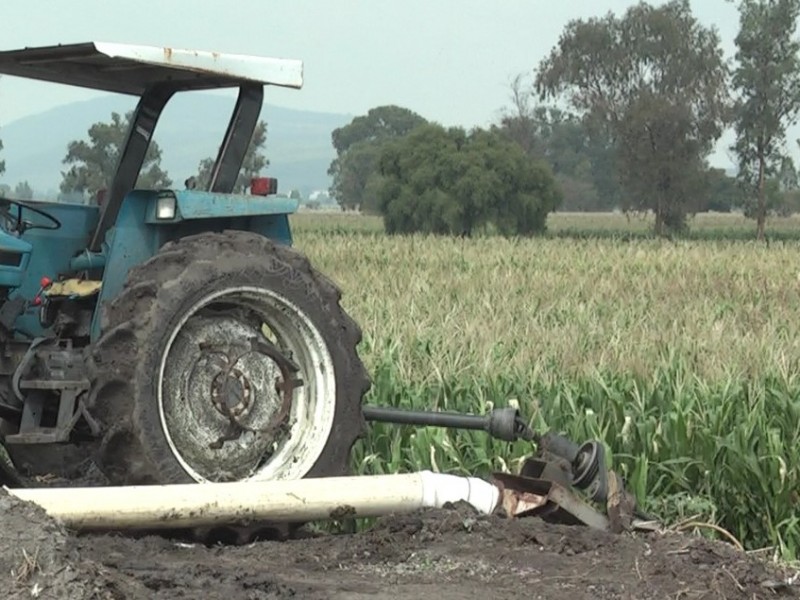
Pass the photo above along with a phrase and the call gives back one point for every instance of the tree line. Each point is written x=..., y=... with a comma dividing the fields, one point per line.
x=91, y=163
x=623, y=113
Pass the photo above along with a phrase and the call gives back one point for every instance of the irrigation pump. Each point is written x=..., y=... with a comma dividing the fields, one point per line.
x=544, y=486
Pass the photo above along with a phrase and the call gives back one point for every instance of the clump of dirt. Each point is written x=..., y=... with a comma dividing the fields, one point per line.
x=442, y=554
x=37, y=561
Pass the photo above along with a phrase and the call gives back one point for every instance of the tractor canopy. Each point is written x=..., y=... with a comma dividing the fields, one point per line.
x=133, y=69
x=156, y=74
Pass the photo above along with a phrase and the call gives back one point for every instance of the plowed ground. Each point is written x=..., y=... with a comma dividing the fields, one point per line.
x=438, y=554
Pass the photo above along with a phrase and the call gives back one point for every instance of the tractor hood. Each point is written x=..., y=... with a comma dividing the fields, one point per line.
x=129, y=69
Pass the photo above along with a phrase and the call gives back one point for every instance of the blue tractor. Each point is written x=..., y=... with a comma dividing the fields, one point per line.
x=170, y=336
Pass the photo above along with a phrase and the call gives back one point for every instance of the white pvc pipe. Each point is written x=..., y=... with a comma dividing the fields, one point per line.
x=190, y=505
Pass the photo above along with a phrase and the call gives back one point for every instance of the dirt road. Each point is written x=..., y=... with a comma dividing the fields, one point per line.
x=442, y=555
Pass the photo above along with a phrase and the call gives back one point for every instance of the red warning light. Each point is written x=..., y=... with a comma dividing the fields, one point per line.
x=263, y=186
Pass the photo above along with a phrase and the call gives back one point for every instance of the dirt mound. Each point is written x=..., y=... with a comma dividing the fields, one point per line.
x=440, y=554
x=37, y=561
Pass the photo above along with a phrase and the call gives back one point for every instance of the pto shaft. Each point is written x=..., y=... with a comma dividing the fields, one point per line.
x=502, y=423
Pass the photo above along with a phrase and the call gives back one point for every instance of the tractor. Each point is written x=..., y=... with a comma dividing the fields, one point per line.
x=175, y=336
x=171, y=335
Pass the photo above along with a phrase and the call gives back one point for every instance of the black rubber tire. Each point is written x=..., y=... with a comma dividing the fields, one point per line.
x=135, y=329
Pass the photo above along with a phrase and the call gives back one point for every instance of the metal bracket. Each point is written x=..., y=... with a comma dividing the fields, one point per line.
x=548, y=500
x=58, y=384
x=31, y=430
x=545, y=489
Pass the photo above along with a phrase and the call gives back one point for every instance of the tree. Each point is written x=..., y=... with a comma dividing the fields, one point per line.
x=767, y=80
x=520, y=123
x=580, y=158
x=253, y=163
x=445, y=181
x=358, y=147
x=664, y=170
x=94, y=162
x=780, y=192
x=354, y=176
x=23, y=191
x=724, y=192
x=655, y=82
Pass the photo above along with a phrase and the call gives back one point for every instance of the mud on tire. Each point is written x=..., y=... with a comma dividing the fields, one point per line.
x=125, y=362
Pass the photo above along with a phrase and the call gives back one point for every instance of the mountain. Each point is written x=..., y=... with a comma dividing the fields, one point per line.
x=191, y=128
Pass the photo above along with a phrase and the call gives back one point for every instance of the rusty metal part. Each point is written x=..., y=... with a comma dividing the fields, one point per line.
x=519, y=502
x=557, y=471
x=547, y=500
x=583, y=465
x=621, y=509
x=225, y=388
x=621, y=505
x=285, y=386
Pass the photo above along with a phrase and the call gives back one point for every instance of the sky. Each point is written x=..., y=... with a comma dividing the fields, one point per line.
x=451, y=61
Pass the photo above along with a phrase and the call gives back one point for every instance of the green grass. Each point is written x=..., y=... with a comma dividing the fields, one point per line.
x=681, y=356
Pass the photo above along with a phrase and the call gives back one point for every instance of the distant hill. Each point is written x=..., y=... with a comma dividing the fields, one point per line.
x=298, y=142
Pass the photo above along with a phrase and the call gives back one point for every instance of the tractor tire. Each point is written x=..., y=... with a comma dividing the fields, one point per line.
x=185, y=395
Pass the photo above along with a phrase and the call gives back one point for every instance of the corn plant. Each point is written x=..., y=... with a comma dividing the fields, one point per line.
x=680, y=356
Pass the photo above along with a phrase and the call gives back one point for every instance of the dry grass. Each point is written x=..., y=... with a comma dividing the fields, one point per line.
x=576, y=305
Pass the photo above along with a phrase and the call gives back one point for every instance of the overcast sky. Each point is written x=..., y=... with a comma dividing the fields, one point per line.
x=449, y=60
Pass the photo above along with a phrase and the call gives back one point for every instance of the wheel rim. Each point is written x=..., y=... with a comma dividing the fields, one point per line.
x=222, y=414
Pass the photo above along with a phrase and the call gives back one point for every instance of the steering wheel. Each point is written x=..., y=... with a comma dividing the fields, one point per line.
x=21, y=225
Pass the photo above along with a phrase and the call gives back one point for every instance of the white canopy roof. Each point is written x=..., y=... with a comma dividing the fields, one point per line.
x=130, y=69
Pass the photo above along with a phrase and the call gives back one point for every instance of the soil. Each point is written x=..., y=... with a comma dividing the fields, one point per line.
x=442, y=554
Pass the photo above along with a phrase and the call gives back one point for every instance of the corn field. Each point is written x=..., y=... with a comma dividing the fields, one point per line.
x=682, y=356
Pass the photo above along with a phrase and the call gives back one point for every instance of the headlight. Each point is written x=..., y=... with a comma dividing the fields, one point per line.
x=165, y=208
